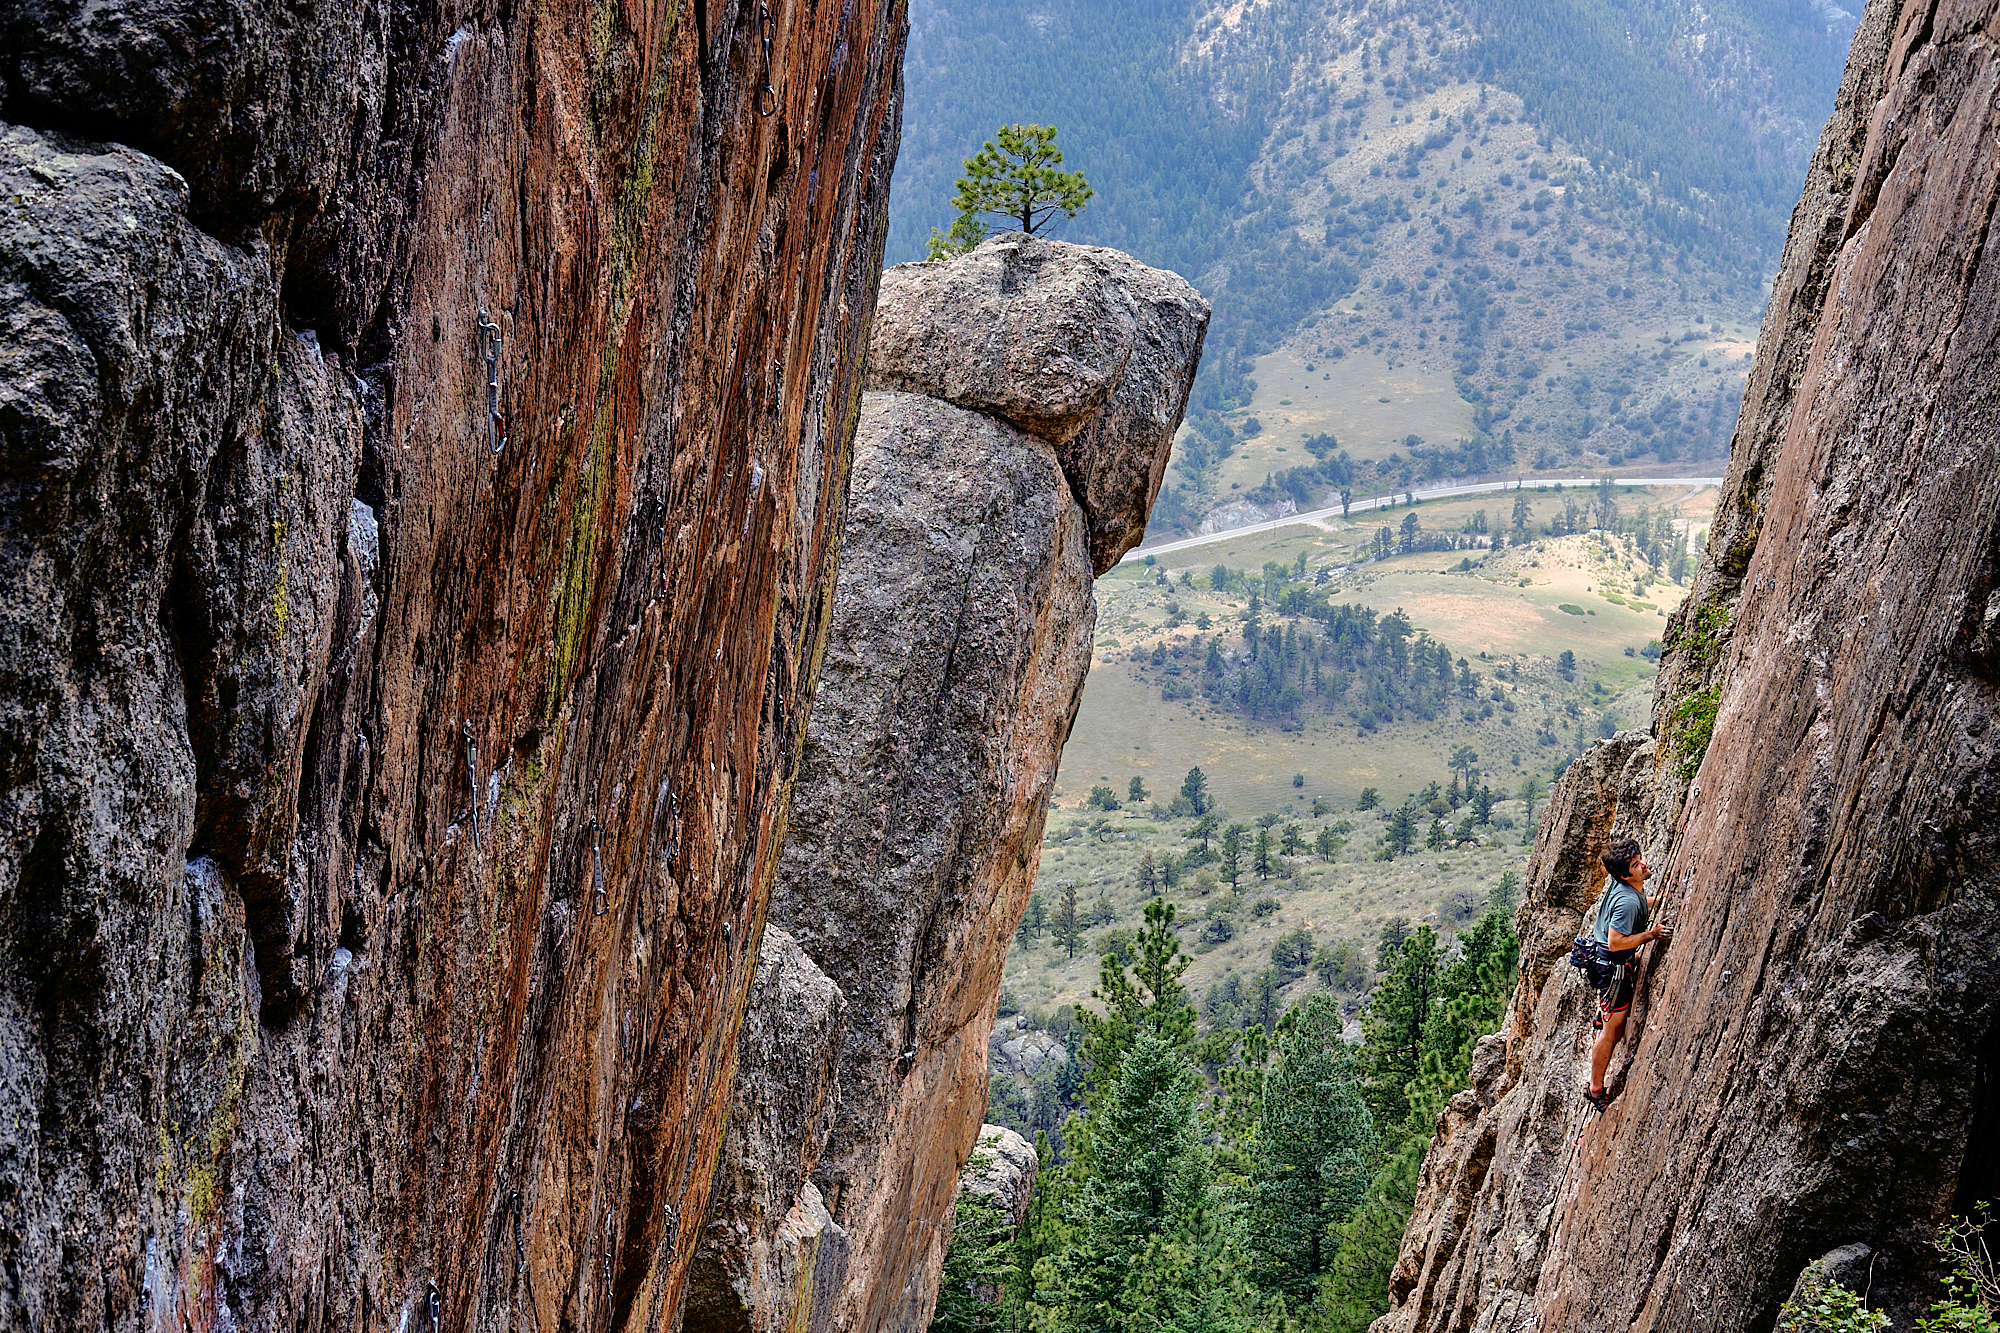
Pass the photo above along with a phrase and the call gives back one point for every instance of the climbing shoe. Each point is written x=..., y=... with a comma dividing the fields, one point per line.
x=1598, y=1100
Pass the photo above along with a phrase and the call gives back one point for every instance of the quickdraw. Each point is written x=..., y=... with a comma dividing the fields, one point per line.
x=520, y=1248
x=472, y=775
x=489, y=348
x=436, y=1307
x=597, y=901
x=767, y=98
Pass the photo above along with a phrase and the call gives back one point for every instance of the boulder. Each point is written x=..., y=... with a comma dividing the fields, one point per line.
x=1001, y=1171
x=960, y=634
x=771, y=1259
x=1084, y=347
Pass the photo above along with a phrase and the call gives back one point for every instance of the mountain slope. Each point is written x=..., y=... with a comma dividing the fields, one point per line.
x=1622, y=169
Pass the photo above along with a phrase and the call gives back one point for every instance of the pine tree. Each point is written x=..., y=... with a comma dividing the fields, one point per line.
x=1194, y=788
x=1019, y=178
x=1262, y=862
x=1393, y=1025
x=1356, y=1290
x=1232, y=854
x=1311, y=1153
x=1140, y=1176
x=1203, y=830
x=1068, y=931
x=1402, y=834
x=1034, y=919
x=1471, y=991
x=1150, y=1000
x=1439, y=836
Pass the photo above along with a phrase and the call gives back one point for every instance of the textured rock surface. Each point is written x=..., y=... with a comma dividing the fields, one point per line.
x=961, y=635
x=1084, y=347
x=1001, y=1171
x=1816, y=1055
x=961, y=632
x=322, y=724
x=771, y=1260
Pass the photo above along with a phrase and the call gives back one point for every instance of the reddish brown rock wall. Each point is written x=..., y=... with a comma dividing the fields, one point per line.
x=1816, y=1056
x=303, y=1008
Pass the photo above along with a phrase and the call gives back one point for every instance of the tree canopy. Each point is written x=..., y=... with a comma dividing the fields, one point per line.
x=1020, y=178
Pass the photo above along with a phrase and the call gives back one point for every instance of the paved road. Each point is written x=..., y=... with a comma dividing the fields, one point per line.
x=1390, y=501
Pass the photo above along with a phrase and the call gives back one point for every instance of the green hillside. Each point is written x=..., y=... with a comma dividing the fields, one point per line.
x=1543, y=228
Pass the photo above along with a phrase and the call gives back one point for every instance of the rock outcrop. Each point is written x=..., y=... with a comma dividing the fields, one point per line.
x=1001, y=1171
x=1076, y=345
x=1814, y=1060
x=961, y=633
x=425, y=435
x=771, y=1259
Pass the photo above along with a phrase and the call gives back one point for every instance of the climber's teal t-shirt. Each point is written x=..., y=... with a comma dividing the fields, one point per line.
x=1623, y=907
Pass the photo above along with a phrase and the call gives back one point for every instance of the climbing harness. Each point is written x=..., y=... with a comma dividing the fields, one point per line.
x=472, y=775
x=489, y=347
x=596, y=867
x=767, y=99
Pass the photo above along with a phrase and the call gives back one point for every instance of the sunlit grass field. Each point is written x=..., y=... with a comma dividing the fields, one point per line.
x=1507, y=609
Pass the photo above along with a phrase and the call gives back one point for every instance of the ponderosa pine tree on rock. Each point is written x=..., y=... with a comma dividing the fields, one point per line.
x=1019, y=178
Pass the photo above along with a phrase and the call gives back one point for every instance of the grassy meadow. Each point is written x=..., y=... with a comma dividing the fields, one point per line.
x=1505, y=615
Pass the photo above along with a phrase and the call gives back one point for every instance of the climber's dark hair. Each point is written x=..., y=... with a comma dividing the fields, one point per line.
x=1619, y=856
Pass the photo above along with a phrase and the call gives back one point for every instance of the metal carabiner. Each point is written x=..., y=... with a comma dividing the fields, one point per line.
x=472, y=775
x=436, y=1308
x=489, y=348
x=596, y=867
x=767, y=97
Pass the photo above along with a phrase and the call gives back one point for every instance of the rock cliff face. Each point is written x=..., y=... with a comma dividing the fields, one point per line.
x=1814, y=1060
x=979, y=513
x=425, y=437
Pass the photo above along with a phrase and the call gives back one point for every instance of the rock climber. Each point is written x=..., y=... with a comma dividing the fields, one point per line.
x=1622, y=916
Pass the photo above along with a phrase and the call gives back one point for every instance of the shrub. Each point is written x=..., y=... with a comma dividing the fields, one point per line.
x=1824, y=1306
x=1692, y=724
